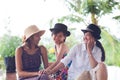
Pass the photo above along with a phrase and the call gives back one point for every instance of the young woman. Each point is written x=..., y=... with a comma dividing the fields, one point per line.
x=28, y=56
x=87, y=56
x=59, y=34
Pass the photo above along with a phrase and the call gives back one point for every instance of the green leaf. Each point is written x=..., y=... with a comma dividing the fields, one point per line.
x=8, y=44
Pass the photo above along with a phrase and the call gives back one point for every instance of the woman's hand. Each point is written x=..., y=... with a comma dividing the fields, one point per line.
x=48, y=71
x=41, y=72
x=90, y=45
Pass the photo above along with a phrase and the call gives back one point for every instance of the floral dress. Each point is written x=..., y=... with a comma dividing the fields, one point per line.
x=62, y=73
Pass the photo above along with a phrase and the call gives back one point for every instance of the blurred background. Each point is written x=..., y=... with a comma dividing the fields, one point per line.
x=16, y=15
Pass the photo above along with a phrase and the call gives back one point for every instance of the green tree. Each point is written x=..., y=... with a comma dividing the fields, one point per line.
x=82, y=9
x=8, y=44
x=117, y=17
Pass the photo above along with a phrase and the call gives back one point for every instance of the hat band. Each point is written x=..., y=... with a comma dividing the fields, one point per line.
x=59, y=29
x=87, y=29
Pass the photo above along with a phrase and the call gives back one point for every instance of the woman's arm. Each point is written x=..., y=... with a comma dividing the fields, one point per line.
x=63, y=48
x=93, y=62
x=44, y=56
x=18, y=62
x=90, y=46
x=60, y=65
x=64, y=62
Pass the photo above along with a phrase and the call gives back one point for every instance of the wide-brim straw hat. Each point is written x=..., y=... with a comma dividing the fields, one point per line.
x=31, y=30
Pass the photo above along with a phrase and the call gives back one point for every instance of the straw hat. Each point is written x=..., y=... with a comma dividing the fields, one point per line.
x=31, y=30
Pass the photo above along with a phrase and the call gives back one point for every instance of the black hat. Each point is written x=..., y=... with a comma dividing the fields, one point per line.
x=94, y=29
x=61, y=27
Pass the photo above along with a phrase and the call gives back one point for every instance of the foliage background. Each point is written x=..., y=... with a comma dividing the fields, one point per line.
x=80, y=11
x=8, y=45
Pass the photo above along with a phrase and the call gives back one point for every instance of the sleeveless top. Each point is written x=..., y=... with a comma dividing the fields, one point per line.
x=62, y=73
x=31, y=63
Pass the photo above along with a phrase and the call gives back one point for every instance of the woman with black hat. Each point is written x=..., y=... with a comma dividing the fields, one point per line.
x=59, y=35
x=87, y=58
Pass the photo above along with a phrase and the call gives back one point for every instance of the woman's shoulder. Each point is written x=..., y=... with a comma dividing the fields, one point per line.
x=64, y=45
x=19, y=48
x=42, y=48
x=22, y=47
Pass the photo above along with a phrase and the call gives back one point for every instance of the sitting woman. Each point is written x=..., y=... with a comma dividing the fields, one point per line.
x=87, y=58
x=59, y=34
x=28, y=56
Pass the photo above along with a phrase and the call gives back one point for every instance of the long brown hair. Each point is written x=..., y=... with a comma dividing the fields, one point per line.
x=29, y=42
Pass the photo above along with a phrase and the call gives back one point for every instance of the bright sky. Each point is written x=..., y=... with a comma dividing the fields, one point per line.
x=26, y=12
x=23, y=13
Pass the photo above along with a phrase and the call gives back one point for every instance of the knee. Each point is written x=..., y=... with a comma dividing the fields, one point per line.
x=102, y=73
x=102, y=65
x=102, y=69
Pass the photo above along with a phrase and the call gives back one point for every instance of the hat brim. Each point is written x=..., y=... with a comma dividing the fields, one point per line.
x=52, y=30
x=66, y=32
x=41, y=32
x=86, y=30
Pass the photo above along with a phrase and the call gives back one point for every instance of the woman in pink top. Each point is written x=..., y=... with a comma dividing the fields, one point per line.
x=59, y=35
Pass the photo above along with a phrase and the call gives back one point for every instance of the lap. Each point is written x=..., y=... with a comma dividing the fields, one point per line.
x=42, y=77
x=91, y=75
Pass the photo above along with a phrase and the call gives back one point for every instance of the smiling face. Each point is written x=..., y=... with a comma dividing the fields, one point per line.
x=88, y=36
x=36, y=38
x=33, y=40
x=58, y=37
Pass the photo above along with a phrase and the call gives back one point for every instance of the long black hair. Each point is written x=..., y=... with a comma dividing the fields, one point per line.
x=98, y=44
